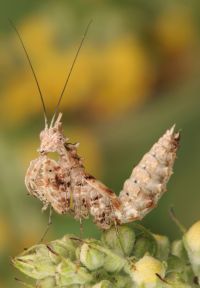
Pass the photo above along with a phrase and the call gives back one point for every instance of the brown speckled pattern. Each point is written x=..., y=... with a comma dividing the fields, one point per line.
x=66, y=186
x=148, y=180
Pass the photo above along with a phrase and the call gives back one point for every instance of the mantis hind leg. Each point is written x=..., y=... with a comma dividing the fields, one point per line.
x=81, y=228
x=119, y=239
x=48, y=225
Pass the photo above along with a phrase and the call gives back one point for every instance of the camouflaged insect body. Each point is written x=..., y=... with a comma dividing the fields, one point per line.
x=148, y=180
x=65, y=185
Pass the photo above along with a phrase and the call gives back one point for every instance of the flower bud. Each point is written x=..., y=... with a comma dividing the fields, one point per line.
x=105, y=257
x=178, y=249
x=121, y=241
x=91, y=257
x=191, y=241
x=175, y=280
x=144, y=245
x=122, y=281
x=36, y=262
x=69, y=273
x=48, y=282
x=65, y=246
x=114, y=263
x=180, y=268
x=163, y=247
x=175, y=264
x=145, y=272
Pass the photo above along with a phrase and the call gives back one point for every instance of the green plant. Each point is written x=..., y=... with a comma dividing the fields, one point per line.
x=129, y=257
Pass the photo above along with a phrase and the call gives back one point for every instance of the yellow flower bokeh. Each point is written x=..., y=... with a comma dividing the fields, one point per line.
x=109, y=80
x=175, y=29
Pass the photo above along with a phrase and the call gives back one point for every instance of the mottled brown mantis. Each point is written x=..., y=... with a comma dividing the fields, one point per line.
x=65, y=186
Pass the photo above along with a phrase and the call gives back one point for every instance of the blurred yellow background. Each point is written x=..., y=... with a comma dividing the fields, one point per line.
x=137, y=74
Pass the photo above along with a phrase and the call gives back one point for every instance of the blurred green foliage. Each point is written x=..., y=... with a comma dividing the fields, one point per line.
x=137, y=74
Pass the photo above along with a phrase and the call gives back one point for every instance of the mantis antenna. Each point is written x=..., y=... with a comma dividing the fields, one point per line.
x=70, y=72
x=33, y=71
